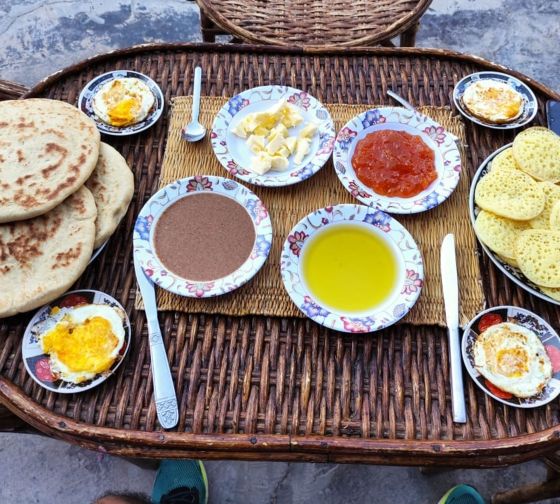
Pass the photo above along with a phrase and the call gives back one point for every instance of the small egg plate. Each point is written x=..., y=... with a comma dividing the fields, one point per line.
x=92, y=87
x=525, y=318
x=433, y=134
x=513, y=273
x=234, y=154
x=530, y=103
x=37, y=362
x=410, y=268
x=146, y=222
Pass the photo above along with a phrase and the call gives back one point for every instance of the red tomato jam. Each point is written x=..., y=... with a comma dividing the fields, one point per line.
x=394, y=163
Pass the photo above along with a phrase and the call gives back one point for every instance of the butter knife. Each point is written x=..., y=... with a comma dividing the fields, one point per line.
x=451, y=300
x=164, y=390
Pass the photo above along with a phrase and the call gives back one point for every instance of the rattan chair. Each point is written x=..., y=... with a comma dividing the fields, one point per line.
x=9, y=422
x=313, y=23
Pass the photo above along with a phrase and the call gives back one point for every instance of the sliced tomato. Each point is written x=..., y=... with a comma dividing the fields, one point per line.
x=73, y=300
x=498, y=392
x=554, y=355
x=488, y=320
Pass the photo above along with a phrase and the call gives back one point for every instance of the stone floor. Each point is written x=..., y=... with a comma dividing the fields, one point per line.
x=38, y=37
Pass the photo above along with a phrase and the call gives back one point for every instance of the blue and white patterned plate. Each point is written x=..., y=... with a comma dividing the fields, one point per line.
x=525, y=318
x=37, y=363
x=434, y=135
x=513, y=273
x=530, y=104
x=234, y=154
x=183, y=188
x=409, y=259
x=92, y=87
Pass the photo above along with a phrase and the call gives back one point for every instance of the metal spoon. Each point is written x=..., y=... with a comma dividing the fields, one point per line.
x=409, y=106
x=194, y=131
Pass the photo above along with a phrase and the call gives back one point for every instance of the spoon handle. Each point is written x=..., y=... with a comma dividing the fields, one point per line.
x=196, y=94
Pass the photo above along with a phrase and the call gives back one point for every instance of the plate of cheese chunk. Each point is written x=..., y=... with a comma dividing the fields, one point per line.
x=273, y=136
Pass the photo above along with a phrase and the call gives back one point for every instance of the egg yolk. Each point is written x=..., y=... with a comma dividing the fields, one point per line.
x=83, y=347
x=512, y=362
x=124, y=112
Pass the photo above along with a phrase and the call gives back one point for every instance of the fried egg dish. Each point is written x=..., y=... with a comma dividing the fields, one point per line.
x=513, y=359
x=123, y=101
x=85, y=341
x=493, y=101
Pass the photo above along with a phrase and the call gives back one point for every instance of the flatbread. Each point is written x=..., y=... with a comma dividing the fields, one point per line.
x=510, y=193
x=112, y=186
x=537, y=152
x=41, y=258
x=504, y=161
x=499, y=234
x=48, y=149
x=538, y=254
x=544, y=219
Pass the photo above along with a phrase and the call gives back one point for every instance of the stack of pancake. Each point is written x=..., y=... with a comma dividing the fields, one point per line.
x=520, y=202
x=62, y=194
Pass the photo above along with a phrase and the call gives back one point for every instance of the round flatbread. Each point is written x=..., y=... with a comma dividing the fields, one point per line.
x=504, y=161
x=537, y=152
x=554, y=293
x=552, y=193
x=538, y=254
x=555, y=216
x=42, y=257
x=510, y=193
x=48, y=149
x=499, y=234
x=112, y=186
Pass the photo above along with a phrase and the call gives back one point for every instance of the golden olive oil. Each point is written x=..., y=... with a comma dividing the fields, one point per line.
x=349, y=268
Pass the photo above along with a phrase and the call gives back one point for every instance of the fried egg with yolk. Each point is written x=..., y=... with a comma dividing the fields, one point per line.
x=512, y=358
x=493, y=101
x=85, y=341
x=123, y=101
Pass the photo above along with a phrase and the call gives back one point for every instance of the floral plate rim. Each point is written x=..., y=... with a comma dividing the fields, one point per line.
x=91, y=88
x=513, y=273
x=410, y=261
x=540, y=327
x=530, y=106
x=316, y=159
x=434, y=135
x=171, y=193
x=30, y=351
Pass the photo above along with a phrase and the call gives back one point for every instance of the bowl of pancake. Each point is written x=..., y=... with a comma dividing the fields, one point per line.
x=515, y=209
x=495, y=100
x=513, y=355
x=62, y=195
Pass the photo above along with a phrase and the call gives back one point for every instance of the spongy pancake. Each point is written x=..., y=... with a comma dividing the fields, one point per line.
x=508, y=260
x=553, y=292
x=493, y=101
x=538, y=254
x=504, y=161
x=555, y=216
x=498, y=233
x=537, y=152
x=511, y=194
x=552, y=193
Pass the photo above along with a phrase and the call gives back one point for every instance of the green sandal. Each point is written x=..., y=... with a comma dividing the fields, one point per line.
x=462, y=494
x=180, y=482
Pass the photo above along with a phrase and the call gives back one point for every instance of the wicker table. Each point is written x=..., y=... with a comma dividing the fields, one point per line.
x=315, y=23
x=281, y=389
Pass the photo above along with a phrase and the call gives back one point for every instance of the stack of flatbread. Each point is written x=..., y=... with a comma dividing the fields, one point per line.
x=62, y=194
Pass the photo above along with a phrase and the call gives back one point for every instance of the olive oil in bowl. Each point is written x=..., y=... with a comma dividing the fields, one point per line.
x=349, y=268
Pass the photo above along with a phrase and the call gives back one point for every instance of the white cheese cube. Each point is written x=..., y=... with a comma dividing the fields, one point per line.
x=256, y=143
x=291, y=143
x=274, y=144
x=302, y=148
x=280, y=163
x=239, y=130
x=262, y=163
x=279, y=130
x=308, y=131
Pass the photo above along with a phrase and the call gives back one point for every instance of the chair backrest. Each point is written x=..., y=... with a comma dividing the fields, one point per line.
x=11, y=90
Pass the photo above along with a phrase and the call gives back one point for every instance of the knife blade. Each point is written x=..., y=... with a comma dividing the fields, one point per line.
x=553, y=116
x=451, y=301
x=164, y=390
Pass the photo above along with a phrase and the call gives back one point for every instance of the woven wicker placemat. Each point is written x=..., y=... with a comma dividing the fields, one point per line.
x=265, y=294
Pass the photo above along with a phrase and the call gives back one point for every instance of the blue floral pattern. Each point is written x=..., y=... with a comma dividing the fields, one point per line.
x=236, y=104
x=372, y=117
x=143, y=225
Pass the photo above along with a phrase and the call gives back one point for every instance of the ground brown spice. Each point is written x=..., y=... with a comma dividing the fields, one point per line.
x=204, y=236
